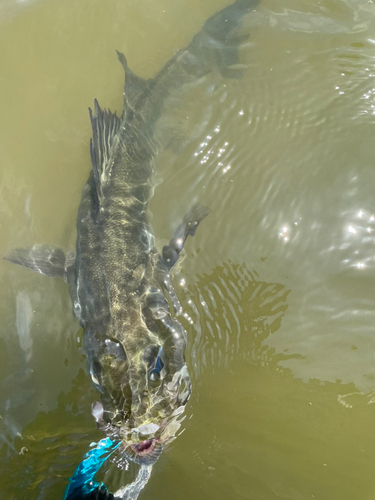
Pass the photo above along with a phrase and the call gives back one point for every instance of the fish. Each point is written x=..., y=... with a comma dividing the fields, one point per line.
x=120, y=285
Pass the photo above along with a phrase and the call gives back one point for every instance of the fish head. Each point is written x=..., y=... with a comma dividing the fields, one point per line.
x=141, y=398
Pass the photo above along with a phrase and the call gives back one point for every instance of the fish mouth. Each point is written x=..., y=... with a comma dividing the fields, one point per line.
x=146, y=452
x=144, y=448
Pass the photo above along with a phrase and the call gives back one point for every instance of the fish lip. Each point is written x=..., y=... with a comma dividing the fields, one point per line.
x=145, y=447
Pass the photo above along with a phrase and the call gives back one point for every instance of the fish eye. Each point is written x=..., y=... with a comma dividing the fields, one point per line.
x=150, y=355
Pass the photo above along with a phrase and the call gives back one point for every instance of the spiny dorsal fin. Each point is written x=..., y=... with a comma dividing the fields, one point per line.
x=105, y=126
x=135, y=87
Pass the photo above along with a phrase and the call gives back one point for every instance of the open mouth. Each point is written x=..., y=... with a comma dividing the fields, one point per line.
x=145, y=447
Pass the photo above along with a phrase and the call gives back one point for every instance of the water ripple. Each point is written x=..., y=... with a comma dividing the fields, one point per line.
x=235, y=312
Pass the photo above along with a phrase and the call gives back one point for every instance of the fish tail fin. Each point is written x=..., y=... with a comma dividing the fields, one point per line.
x=226, y=20
x=218, y=42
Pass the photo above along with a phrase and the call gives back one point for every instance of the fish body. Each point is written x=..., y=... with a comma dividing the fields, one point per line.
x=117, y=280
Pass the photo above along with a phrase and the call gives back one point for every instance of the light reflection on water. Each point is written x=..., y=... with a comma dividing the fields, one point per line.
x=277, y=286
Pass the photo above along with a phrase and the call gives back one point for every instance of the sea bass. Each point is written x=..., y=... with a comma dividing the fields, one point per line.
x=118, y=281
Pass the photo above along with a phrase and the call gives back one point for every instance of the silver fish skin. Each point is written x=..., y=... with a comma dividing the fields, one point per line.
x=118, y=282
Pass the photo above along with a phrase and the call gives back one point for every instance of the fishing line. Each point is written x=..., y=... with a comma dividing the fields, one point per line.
x=131, y=491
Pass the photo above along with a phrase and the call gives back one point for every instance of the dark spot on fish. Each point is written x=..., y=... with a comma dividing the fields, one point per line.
x=150, y=355
x=96, y=372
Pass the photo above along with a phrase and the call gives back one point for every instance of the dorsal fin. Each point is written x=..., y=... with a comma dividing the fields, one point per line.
x=134, y=87
x=105, y=126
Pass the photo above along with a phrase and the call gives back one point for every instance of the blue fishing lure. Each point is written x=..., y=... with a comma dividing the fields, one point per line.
x=82, y=484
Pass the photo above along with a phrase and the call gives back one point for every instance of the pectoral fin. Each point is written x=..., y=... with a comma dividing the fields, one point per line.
x=188, y=227
x=44, y=259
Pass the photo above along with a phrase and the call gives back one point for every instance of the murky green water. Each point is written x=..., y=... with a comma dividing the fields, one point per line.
x=279, y=281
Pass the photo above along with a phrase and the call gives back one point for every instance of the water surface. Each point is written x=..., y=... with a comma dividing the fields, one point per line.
x=277, y=285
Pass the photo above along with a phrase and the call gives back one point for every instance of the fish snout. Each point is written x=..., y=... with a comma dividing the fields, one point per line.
x=148, y=429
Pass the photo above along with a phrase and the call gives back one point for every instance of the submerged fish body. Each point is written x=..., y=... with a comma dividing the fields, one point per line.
x=117, y=280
